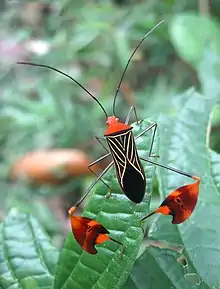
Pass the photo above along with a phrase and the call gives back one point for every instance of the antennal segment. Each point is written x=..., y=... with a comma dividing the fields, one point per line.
x=65, y=74
x=129, y=60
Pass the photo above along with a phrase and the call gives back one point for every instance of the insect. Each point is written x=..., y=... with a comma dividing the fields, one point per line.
x=120, y=139
x=180, y=203
x=89, y=232
x=121, y=143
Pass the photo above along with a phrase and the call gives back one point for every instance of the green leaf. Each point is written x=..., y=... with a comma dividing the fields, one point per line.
x=216, y=169
x=27, y=258
x=191, y=34
x=77, y=269
x=158, y=268
x=186, y=132
x=199, y=234
x=159, y=262
x=37, y=207
x=122, y=47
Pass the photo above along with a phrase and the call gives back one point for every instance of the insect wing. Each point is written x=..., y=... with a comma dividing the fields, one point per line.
x=129, y=170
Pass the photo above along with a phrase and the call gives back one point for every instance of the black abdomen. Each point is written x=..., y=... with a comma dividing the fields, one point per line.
x=133, y=184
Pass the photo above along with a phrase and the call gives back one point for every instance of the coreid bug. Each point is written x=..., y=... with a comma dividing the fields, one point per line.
x=89, y=232
x=121, y=143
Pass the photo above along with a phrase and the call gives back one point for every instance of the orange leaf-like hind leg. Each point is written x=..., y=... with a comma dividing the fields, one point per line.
x=180, y=203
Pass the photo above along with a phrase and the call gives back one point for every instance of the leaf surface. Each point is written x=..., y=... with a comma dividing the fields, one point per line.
x=27, y=258
x=187, y=131
x=156, y=262
x=199, y=234
x=158, y=268
x=190, y=40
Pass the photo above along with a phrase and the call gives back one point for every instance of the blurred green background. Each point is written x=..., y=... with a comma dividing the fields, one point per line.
x=91, y=41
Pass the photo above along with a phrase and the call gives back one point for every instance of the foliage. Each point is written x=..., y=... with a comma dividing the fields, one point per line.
x=42, y=110
x=193, y=51
x=27, y=259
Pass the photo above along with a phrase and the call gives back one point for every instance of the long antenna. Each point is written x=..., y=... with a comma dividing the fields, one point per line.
x=129, y=60
x=65, y=74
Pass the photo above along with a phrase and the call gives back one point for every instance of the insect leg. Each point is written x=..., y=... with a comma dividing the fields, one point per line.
x=99, y=138
x=135, y=113
x=154, y=126
x=92, y=185
x=171, y=169
x=142, y=221
x=132, y=108
x=92, y=164
x=99, y=160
